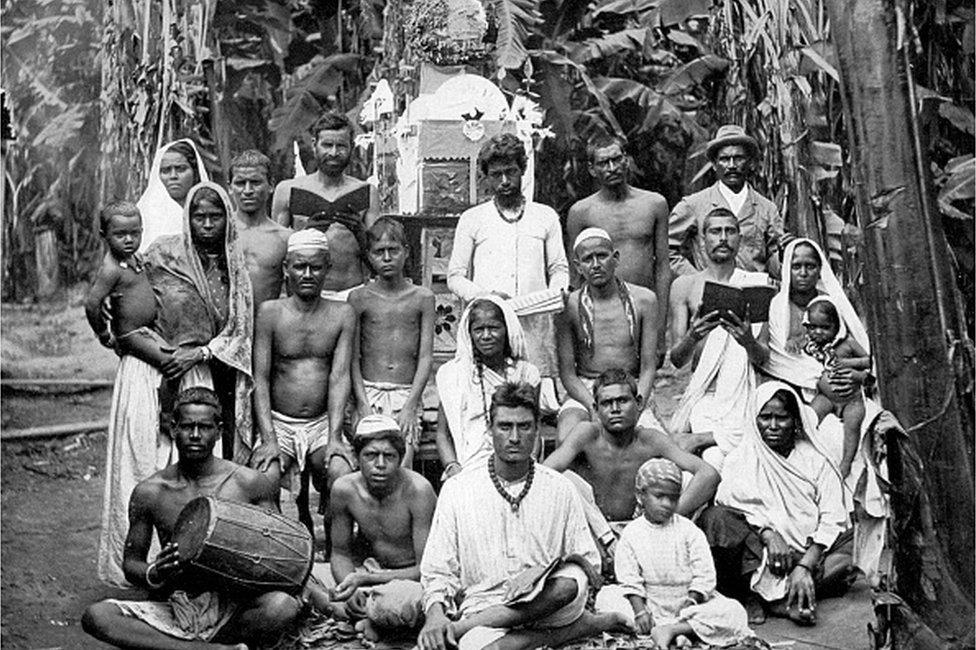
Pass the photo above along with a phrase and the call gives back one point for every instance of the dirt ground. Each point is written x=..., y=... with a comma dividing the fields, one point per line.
x=51, y=492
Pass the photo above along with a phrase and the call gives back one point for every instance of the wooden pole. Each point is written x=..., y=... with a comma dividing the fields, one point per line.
x=910, y=296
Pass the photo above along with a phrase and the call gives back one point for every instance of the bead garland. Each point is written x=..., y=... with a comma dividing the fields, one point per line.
x=516, y=500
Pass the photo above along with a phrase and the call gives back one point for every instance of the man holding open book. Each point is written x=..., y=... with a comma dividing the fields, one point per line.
x=712, y=326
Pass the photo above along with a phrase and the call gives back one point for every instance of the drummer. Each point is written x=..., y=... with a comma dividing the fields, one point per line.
x=182, y=614
x=378, y=571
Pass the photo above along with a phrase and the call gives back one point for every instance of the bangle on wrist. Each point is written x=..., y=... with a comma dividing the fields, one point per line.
x=152, y=585
x=809, y=570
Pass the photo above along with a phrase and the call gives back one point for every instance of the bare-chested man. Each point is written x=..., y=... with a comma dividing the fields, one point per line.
x=332, y=201
x=608, y=453
x=394, y=350
x=154, y=507
x=262, y=240
x=607, y=323
x=637, y=221
x=392, y=507
x=713, y=411
x=302, y=354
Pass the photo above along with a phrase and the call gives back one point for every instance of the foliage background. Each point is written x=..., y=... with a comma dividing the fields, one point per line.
x=94, y=87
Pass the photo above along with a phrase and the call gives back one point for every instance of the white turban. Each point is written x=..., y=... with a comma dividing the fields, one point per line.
x=591, y=233
x=308, y=239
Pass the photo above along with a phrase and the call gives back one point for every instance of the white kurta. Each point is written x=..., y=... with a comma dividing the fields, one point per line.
x=477, y=543
x=662, y=563
x=517, y=258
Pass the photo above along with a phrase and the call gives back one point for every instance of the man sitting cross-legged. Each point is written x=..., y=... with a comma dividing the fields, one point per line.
x=391, y=506
x=192, y=617
x=498, y=525
x=608, y=323
x=608, y=453
x=302, y=351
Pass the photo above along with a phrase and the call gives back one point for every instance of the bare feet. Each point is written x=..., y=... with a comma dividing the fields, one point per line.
x=804, y=617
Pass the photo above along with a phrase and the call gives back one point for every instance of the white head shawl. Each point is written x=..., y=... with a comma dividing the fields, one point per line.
x=465, y=392
x=161, y=215
x=770, y=490
x=796, y=368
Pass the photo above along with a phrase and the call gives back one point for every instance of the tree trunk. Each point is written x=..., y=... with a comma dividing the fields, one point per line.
x=911, y=303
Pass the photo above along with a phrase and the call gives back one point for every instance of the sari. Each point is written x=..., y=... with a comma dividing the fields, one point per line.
x=191, y=314
x=161, y=215
x=799, y=496
x=465, y=386
x=790, y=364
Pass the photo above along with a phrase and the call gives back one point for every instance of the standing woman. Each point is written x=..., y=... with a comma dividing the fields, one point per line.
x=176, y=167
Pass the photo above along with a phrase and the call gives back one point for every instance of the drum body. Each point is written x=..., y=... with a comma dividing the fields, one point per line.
x=237, y=547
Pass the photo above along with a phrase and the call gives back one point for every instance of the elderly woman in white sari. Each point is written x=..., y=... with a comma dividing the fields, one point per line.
x=176, y=167
x=806, y=275
x=779, y=529
x=490, y=351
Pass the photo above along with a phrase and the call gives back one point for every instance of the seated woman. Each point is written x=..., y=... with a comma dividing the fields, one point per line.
x=490, y=352
x=778, y=529
x=807, y=275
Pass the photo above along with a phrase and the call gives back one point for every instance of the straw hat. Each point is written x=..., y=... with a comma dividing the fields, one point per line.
x=731, y=134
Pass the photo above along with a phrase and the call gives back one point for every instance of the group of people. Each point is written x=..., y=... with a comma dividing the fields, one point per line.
x=261, y=346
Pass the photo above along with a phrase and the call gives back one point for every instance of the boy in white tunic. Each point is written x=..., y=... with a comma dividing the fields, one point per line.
x=665, y=570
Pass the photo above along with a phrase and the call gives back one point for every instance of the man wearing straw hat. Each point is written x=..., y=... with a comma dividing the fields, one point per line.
x=733, y=155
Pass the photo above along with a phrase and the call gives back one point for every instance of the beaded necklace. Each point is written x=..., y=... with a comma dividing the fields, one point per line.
x=513, y=501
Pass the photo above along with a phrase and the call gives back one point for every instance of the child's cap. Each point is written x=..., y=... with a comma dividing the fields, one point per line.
x=658, y=472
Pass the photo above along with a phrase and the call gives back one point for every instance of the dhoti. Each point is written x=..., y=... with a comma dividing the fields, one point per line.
x=182, y=617
x=297, y=438
x=136, y=450
x=387, y=398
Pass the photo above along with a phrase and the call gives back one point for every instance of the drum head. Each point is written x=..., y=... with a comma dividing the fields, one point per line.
x=192, y=527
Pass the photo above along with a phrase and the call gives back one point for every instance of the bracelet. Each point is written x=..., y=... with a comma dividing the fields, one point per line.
x=809, y=570
x=152, y=585
x=207, y=354
x=447, y=467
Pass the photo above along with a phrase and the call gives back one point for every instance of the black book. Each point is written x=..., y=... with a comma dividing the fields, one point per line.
x=738, y=300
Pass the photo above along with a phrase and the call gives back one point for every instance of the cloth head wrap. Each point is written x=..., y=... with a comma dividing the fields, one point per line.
x=308, y=239
x=591, y=233
x=658, y=471
x=373, y=425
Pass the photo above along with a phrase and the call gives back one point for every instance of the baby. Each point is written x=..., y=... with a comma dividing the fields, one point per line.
x=829, y=342
x=122, y=280
x=665, y=569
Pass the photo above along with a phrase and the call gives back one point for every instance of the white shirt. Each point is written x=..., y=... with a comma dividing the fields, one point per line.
x=735, y=199
x=477, y=543
x=520, y=257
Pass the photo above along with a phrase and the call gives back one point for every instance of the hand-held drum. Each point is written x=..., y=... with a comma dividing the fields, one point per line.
x=240, y=547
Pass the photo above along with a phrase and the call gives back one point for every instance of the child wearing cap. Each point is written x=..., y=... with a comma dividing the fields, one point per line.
x=665, y=569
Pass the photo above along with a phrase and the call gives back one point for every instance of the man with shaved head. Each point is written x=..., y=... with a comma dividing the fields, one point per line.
x=608, y=323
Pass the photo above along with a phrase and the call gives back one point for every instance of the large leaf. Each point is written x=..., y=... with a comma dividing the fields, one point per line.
x=627, y=7
x=556, y=59
x=305, y=100
x=62, y=129
x=693, y=73
x=959, y=116
x=960, y=183
x=514, y=20
x=592, y=49
x=676, y=12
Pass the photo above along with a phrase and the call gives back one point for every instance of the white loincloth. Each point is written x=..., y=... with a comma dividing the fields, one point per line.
x=297, y=438
x=191, y=619
x=387, y=398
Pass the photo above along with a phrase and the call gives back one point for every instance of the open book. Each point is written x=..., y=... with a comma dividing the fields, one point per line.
x=738, y=300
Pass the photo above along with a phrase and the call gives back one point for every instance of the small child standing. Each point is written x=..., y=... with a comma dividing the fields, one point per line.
x=829, y=342
x=394, y=349
x=136, y=449
x=666, y=572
